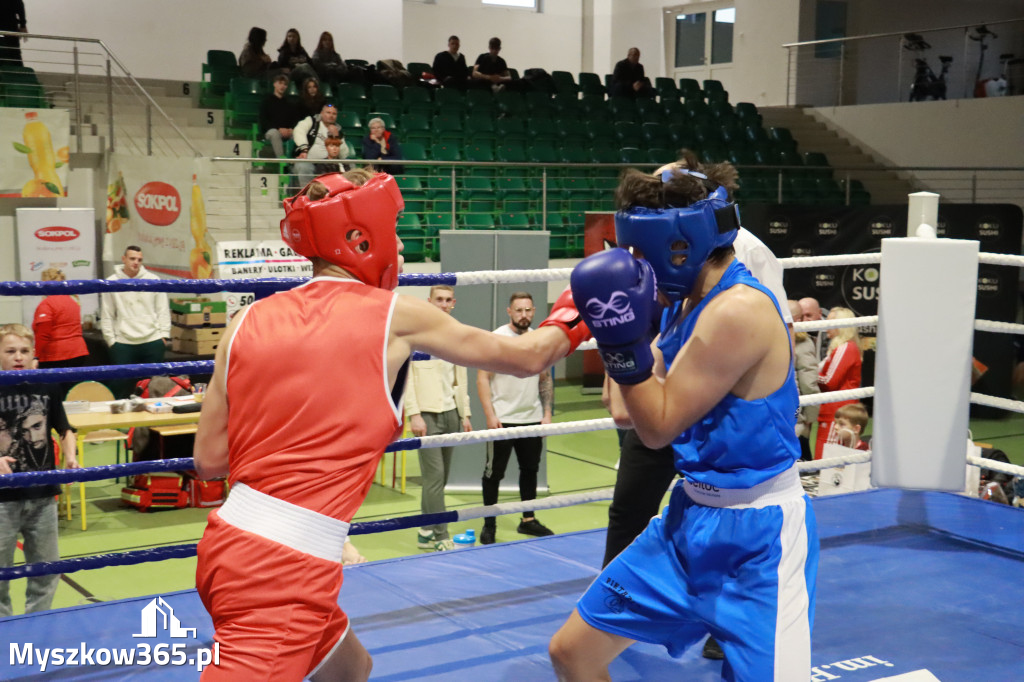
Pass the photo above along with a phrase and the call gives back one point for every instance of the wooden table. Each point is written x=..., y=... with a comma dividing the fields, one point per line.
x=95, y=420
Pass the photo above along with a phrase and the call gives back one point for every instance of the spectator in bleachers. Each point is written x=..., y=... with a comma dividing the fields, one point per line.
x=337, y=148
x=381, y=144
x=12, y=18
x=293, y=59
x=848, y=427
x=812, y=312
x=253, y=61
x=278, y=116
x=327, y=62
x=840, y=372
x=311, y=135
x=449, y=66
x=491, y=68
x=310, y=97
x=628, y=79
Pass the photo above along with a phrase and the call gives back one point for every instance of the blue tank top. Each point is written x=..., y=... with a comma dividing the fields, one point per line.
x=739, y=443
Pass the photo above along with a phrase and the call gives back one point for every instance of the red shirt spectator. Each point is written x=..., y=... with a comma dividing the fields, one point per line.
x=57, y=325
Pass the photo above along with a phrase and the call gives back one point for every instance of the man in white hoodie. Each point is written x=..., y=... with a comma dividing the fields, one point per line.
x=136, y=324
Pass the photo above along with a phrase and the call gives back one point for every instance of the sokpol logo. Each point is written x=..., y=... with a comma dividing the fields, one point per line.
x=158, y=203
x=57, y=234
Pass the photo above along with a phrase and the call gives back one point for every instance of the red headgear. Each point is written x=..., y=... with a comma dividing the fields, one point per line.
x=353, y=227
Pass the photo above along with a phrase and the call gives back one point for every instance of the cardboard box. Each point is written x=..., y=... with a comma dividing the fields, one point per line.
x=195, y=347
x=197, y=333
x=197, y=305
x=199, y=319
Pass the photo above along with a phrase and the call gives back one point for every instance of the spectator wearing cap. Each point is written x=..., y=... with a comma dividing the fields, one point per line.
x=311, y=135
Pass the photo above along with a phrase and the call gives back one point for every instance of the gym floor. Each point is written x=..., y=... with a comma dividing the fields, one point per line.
x=576, y=463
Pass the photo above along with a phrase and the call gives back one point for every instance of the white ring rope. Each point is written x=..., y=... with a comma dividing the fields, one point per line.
x=1001, y=259
x=1001, y=403
x=995, y=465
x=998, y=327
x=820, y=325
x=442, y=440
x=836, y=396
x=858, y=457
x=552, y=502
x=511, y=276
x=823, y=261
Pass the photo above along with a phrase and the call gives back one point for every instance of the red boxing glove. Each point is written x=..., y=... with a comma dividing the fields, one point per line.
x=565, y=316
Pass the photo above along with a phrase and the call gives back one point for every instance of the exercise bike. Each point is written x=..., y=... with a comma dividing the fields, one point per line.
x=926, y=84
x=989, y=87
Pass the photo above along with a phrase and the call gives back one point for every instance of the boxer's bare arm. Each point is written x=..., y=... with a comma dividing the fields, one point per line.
x=738, y=346
x=418, y=325
x=211, y=447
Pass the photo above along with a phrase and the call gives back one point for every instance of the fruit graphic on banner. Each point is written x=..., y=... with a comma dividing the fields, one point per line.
x=39, y=148
x=199, y=258
x=117, y=205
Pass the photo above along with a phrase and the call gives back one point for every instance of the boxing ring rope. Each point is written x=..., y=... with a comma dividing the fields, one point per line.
x=268, y=286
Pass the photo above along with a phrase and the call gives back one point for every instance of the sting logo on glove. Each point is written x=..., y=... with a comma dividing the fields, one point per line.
x=618, y=305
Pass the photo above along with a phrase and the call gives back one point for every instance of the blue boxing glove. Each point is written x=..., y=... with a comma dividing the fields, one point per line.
x=617, y=296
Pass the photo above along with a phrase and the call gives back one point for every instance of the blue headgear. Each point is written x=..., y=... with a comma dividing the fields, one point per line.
x=702, y=227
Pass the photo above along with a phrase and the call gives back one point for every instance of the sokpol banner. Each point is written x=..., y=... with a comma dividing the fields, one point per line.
x=157, y=204
x=34, y=152
x=61, y=238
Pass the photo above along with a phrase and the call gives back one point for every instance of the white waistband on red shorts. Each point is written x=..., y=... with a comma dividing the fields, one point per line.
x=784, y=487
x=285, y=523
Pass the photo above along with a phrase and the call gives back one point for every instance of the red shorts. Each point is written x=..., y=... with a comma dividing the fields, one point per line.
x=275, y=609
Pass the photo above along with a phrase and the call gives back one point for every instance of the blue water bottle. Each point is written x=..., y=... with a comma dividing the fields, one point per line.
x=464, y=540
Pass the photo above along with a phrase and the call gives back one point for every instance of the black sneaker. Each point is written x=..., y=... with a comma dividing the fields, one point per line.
x=535, y=528
x=712, y=650
x=487, y=536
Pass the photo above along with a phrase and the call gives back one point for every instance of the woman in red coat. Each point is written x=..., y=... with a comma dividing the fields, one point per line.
x=57, y=325
x=839, y=372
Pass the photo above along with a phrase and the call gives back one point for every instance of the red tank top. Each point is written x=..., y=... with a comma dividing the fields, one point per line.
x=309, y=402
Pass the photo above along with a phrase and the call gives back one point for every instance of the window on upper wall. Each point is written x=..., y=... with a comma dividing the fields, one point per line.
x=704, y=37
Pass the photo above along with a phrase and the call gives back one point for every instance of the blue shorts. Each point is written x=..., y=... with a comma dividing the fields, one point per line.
x=745, y=574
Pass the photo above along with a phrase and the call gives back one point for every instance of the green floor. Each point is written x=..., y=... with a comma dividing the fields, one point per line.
x=576, y=463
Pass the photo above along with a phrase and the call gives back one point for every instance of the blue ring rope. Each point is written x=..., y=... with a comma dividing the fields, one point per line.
x=261, y=287
x=185, y=551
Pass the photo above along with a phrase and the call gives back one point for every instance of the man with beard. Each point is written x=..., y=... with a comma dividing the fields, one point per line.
x=510, y=401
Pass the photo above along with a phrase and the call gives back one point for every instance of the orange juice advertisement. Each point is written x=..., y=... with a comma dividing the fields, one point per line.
x=34, y=152
x=158, y=204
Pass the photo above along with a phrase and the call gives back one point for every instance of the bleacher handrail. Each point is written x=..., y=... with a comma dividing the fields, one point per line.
x=127, y=74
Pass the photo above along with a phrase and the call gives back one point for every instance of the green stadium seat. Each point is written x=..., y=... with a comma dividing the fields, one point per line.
x=417, y=69
x=632, y=155
x=510, y=103
x=242, y=106
x=218, y=70
x=478, y=221
x=590, y=84
x=480, y=101
x=628, y=134
x=416, y=128
x=539, y=103
x=622, y=108
x=514, y=221
x=689, y=88
x=348, y=91
x=666, y=89
x=564, y=82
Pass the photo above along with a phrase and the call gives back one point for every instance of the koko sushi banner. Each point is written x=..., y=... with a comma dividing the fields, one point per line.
x=817, y=231
x=34, y=152
x=791, y=230
x=157, y=204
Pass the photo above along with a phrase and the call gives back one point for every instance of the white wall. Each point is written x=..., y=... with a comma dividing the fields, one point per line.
x=967, y=132
x=169, y=40
x=552, y=39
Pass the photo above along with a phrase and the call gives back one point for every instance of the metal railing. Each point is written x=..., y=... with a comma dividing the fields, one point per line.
x=879, y=68
x=556, y=196
x=94, y=77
